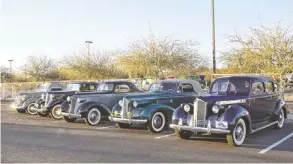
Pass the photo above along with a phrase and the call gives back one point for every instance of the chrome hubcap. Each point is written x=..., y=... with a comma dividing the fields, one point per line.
x=57, y=112
x=93, y=116
x=239, y=133
x=157, y=121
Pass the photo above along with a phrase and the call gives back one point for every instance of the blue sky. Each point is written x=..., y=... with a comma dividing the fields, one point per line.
x=59, y=27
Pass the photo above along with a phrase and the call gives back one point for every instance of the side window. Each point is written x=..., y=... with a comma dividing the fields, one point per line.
x=185, y=88
x=123, y=88
x=270, y=87
x=258, y=88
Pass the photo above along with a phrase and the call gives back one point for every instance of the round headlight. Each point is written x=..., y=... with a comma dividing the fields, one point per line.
x=68, y=98
x=134, y=104
x=121, y=103
x=215, y=109
x=43, y=96
x=51, y=96
x=186, y=108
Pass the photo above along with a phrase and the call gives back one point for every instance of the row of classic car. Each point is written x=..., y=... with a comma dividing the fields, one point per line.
x=235, y=106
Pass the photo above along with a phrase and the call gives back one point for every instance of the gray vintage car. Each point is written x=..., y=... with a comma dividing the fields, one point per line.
x=25, y=101
x=93, y=106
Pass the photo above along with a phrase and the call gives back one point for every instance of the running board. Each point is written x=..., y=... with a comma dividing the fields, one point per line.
x=263, y=127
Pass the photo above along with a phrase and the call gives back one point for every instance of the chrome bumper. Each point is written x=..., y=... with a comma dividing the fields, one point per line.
x=70, y=115
x=126, y=120
x=42, y=109
x=200, y=129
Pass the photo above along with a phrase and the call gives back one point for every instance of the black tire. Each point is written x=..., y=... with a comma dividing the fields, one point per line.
x=21, y=111
x=238, y=135
x=30, y=110
x=56, y=112
x=43, y=114
x=67, y=119
x=93, y=117
x=123, y=126
x=183, y=134
x=281, y=120
x=157, y=123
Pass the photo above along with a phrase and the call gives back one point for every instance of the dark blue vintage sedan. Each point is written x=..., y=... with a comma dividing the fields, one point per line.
x=235, y=106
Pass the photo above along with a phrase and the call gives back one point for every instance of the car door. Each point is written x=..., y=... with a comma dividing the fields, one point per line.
x=272, y=98
x=184, y=94
x=258, y=102
x=120, y=90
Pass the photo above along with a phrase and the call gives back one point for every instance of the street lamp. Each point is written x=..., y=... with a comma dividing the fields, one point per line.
x=88, y=42
x=213, y=37
x=10, y=61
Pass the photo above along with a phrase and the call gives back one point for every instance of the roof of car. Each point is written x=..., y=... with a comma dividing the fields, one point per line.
x=83, y=82
x=253, y=77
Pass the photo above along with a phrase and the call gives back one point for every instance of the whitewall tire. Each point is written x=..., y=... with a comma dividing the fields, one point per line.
x=93, y=117
x=56, y=112
x=157, y=123
x=31, y=109
x=238, y=134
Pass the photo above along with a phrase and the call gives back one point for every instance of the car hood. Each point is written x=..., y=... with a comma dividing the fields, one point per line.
x=149, y=95
x=214, y=97
x=63, y=92
x=29, y=92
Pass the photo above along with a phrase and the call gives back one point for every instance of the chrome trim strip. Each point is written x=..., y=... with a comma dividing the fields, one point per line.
x=200, y=129
x=70, y=115
x=128, y=121
x=263, y=127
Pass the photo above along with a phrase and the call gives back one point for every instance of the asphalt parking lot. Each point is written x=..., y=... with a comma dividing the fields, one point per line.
x=27, y=138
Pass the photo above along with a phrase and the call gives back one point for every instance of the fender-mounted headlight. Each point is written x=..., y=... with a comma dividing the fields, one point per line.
x=215, y=109
x=43, y=96
x=51, y=96
x=134, y=104
x=121, y=103
x=68, y=99
x=186, y=108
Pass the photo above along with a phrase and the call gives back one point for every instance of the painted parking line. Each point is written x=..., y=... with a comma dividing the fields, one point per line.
x=105, y=127
x=276, y=144
x=168, y=135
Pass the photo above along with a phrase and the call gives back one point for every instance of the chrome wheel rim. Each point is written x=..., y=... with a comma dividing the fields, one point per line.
x=239, y=133
x=30, y=111
x=94, y=116
x=281, y=119
x=158, y=121
x=57, y=112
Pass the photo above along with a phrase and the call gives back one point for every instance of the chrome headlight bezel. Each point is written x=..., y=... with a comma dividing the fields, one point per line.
x=68, y=99
x=186, y=108
x=215, y=109
x=120, y=103
x=134, y=104
x=43, y=96
x=51, y=96
x=23, y=97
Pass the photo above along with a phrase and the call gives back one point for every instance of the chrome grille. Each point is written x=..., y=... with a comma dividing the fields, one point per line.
x=199, y=113
x=72, y=104
x=124, y=108
x=46, y=99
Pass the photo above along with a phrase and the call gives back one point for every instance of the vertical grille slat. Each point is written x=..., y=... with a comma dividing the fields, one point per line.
x=124, y=108
x=200, y=110
x=46, y=99
x=72, y=106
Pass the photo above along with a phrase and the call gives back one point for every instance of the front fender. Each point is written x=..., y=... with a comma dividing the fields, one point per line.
x=105, y=111
x=147, y=112
x=279, y=106
x=30, y=100
x=65, y=107
x=54, y=102
x=233, y=113
x=179, y=113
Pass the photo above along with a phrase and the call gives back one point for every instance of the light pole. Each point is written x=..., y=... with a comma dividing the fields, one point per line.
x=88, y=42
x=213, y=37
x=10, y=61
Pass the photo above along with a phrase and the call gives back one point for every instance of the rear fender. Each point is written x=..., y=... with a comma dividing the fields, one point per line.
x=147, y=112
x=86, y=106
x=233, y=113
x=279, y=106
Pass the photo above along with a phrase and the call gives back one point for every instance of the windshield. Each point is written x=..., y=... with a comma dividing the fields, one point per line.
x=73, y=87
x=163, y=87
x=105, y=87
x=43, y=87
x=231, y=86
